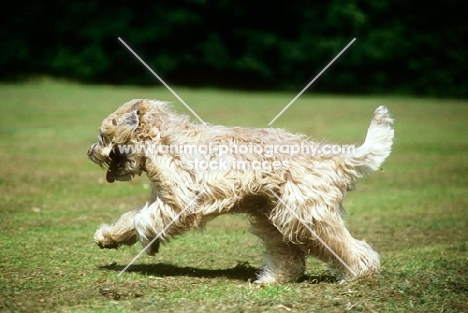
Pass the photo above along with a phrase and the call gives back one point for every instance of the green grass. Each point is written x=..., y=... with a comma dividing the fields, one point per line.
x=52, y=199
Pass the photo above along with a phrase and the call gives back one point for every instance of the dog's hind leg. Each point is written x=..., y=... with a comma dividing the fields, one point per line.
x=123, y=232
x=314, y=221
x=284, y=261
x=332, y=243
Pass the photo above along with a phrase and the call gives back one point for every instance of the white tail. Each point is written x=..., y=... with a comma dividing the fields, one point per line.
x=377, y=146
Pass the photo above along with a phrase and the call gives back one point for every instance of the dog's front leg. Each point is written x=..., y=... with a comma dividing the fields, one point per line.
x=158, y=222
x=121, y=233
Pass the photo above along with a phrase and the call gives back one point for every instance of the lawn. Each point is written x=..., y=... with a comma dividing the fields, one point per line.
x=52, y=199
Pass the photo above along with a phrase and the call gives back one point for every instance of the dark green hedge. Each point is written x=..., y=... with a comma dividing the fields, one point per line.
x=401, y=47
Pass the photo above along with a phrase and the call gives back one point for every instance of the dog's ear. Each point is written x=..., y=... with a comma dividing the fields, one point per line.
x=129, y=120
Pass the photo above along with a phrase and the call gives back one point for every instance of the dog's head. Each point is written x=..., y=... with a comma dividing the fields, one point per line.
x=122, y=137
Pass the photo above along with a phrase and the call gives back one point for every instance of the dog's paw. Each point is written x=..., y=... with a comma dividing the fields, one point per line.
x=107, y=245
x=104, y=240
x=266, y=278
x=153, y=248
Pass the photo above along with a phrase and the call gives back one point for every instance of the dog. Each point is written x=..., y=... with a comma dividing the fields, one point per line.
x=293, y=195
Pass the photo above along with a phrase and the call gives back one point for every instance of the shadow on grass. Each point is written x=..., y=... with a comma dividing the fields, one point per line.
x=243, y=271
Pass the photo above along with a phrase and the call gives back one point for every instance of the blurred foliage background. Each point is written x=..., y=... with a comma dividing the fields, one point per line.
x=402, y=47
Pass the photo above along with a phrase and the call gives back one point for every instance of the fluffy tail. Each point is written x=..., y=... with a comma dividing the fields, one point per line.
x=378, y=145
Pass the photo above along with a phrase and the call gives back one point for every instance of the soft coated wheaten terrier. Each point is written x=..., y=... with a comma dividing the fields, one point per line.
x=291, y=187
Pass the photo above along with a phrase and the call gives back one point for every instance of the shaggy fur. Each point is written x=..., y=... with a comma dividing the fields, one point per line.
x=284, y=203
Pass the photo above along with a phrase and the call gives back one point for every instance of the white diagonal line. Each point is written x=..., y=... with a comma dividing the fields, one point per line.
x=305, y=88
x=162, y=81
x=315, y=234
x=161, y=232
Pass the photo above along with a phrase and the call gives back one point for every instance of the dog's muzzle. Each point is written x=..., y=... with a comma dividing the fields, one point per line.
x=115, y=159
x=93, y=154
x=111, y=161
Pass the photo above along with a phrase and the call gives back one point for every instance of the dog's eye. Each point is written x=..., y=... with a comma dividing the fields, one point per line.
x=103, y=139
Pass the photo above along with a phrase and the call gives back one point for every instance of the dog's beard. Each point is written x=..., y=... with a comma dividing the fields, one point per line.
x=115, y=172
x=112, y=170
x=121, y=167
x=118, y=168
